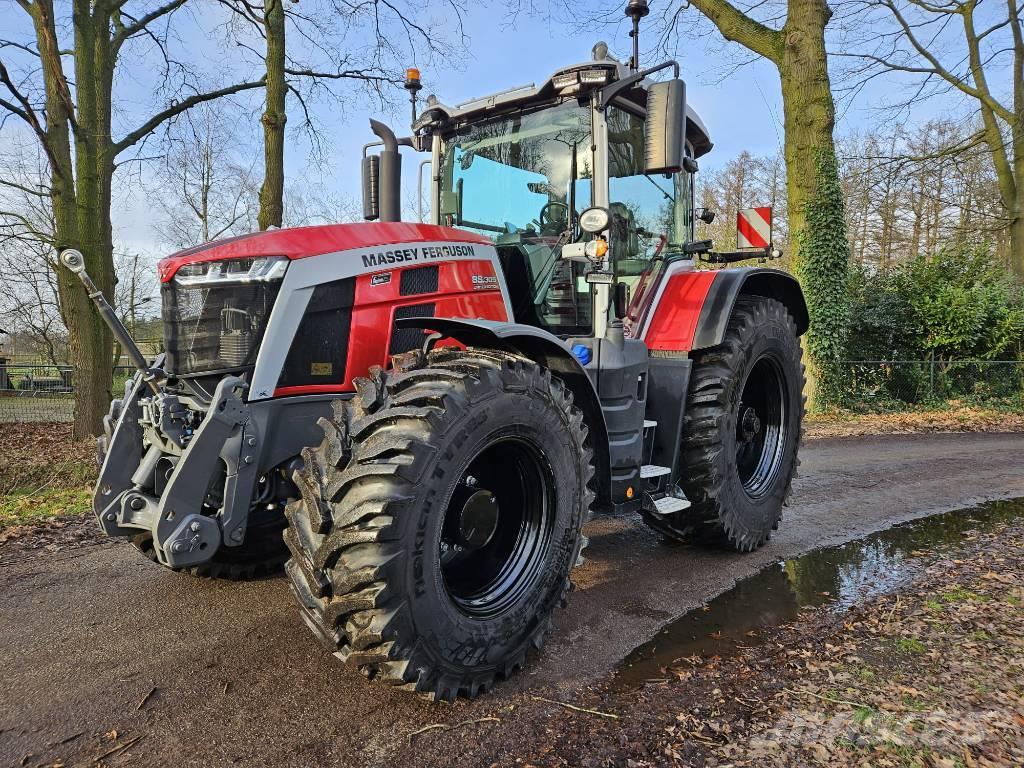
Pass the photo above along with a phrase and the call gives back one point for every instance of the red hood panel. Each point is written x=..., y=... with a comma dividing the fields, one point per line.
x=300, y=242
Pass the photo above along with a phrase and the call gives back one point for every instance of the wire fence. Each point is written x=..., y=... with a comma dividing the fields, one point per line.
x=41, y=393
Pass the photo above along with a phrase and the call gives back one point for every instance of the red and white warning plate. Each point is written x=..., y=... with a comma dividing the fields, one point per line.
x=754, y=228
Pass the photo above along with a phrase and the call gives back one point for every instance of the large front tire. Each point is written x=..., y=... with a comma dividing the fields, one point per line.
x=440, y=518
x=742, y=431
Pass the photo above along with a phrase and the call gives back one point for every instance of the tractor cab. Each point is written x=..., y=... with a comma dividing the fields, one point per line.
x=582, y=183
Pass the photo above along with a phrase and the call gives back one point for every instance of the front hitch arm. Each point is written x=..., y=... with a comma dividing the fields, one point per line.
x=75, y=261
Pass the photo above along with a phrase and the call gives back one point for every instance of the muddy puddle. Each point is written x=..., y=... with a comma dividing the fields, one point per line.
x=835, y=576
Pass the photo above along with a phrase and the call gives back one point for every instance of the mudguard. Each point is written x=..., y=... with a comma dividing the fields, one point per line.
x=729, y=284
x=548, y=350
x=691, y=309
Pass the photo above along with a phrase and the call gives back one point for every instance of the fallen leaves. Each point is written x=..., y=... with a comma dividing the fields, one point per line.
x=956, y=418
x=948, y=692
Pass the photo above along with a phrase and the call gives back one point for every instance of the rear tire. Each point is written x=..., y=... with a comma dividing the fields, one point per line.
x=440, y=518
x=742, y=431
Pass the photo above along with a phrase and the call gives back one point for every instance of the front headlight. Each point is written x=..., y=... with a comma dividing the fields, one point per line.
x=262, y=269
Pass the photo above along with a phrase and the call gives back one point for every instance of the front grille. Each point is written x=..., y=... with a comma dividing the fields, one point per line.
x=407, y=339
x=214, y=328
x=418, y=280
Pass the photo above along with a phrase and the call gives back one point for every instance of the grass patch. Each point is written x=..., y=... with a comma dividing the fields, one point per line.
x=959, y=594
x=44, y=474
x=910, y=645
x=867, y=674
x=39, y=506
x=861, y=715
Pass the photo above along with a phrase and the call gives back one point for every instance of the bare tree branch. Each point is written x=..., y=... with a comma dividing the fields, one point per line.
x=133, y=137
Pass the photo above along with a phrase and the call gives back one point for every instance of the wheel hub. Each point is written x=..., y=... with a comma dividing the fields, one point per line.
x=761, y=433
x=477, y=520
x=750, y=423
x=497, y=528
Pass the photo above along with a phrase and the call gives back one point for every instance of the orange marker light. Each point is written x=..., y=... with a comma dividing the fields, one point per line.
x=629, y=492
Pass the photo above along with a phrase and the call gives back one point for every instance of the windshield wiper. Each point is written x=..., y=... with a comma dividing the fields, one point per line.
x=658, y=187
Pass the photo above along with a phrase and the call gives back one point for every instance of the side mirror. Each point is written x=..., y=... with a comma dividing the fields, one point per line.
x=371, y=187
x=706, y=215
x=665, y=135
x=621, y=300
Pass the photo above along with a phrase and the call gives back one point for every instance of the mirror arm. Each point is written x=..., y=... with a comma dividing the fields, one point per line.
x=609, y=92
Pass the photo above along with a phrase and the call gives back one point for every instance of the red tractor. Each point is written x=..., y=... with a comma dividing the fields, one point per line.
x=430, y=413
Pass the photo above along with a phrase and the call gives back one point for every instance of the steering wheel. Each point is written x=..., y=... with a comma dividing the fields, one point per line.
x=551, y=222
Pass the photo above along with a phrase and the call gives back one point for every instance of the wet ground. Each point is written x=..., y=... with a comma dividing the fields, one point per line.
x=837, y=577
x=93, y=639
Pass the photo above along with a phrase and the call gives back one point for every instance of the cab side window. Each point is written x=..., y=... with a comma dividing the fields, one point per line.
x=650, y=215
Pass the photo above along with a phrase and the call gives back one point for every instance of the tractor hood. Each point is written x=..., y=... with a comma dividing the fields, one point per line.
x=302, y=242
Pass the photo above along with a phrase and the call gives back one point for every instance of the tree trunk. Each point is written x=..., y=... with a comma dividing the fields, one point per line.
x=274, y=118
x=808, y=109
x=817, y=225
x=1017, y=243
x=91, y=341
x=77, y=202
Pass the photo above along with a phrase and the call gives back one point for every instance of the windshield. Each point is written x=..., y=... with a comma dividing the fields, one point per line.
x=515, y=180
x=651, y=215
x=515, y=174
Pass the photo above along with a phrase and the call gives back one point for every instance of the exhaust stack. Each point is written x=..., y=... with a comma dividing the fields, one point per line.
x=389, y=175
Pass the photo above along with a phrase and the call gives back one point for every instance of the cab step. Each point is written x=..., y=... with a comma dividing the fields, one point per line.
x=648, y=471
x=668, y=505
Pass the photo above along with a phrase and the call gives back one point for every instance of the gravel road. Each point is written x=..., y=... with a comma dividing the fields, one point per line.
x=95, y=639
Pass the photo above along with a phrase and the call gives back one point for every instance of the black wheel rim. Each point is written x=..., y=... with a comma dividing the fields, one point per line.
x=497, y=528
x=761, y=431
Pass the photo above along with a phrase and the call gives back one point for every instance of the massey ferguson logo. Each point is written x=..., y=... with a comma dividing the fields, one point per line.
x=423, y=253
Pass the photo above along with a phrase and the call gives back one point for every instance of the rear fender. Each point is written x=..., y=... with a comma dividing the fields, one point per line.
x=692, y=307
x=730, y=284
x=547, y=350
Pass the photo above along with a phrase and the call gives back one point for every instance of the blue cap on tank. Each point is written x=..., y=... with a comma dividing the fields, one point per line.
x=581, y=353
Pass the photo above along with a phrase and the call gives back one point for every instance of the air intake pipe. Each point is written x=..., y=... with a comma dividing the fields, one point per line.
x=389, y=175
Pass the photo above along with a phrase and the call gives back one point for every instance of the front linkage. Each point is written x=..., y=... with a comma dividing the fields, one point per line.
x=184, y=461
x=171, y=456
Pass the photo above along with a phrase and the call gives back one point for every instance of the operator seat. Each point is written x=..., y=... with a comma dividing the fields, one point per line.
x=624, y=242
x=628, y=257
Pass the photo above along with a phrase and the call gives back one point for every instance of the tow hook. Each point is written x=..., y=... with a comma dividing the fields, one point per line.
x=192, y=542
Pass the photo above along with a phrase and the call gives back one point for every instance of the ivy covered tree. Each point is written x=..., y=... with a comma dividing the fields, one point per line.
x=793, y=39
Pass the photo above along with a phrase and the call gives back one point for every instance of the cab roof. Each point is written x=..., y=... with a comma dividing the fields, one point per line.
x=524, y=95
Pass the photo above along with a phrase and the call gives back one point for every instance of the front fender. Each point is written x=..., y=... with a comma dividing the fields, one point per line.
x=547, y=350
